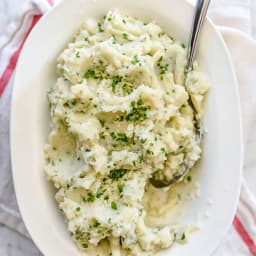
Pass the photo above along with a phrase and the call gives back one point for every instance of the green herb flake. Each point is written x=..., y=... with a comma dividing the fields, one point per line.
x=100, y=28
x=149, y=152
x=116, y=80
x=116, y=174
x=113, y=205
x=163, y=150
x=90, y=197
x=102, y=123
x=90, y=74
x=125, y=36
x=133, y=104
x=120, y=118
x=72, y=102
x=163, y=68
x=183, y=45
x=120, y=137
x=78, y=209
x=127, y=89
x=99, y=193
x=78, y=54
x=189, y=178
x=135, y=60
x=102, y=135
x=114, y=41
x=183, y=237
x=96, y=224
x=140, y=102
x=142, y=141
x=138, y=112
x=160, y=59
x=120, y=188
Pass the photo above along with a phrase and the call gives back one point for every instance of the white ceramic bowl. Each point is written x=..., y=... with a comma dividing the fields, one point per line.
x=220, y=171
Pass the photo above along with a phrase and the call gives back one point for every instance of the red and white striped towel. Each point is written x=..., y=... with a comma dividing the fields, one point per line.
x=232, y=18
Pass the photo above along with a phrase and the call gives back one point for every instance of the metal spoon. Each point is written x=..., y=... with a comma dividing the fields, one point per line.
x=199, y=18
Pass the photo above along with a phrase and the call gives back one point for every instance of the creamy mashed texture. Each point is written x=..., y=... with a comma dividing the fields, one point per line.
x=120, y=111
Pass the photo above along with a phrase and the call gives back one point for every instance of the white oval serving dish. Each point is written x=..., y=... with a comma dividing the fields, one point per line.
x=220, y=171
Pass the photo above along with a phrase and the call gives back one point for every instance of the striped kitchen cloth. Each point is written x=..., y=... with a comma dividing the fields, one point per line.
x=232, y=19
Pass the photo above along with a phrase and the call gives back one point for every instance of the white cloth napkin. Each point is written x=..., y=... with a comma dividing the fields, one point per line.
x=233, y=20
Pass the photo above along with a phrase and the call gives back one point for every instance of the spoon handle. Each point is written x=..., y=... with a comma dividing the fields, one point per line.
x=200, y=14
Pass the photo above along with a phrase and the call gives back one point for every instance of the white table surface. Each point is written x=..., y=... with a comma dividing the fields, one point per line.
x=12, y=243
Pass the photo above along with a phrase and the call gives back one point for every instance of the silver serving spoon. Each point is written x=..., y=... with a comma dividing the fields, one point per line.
x=199, y=18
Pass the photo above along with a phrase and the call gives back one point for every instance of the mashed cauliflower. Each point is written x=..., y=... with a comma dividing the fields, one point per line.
x=120, y=111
